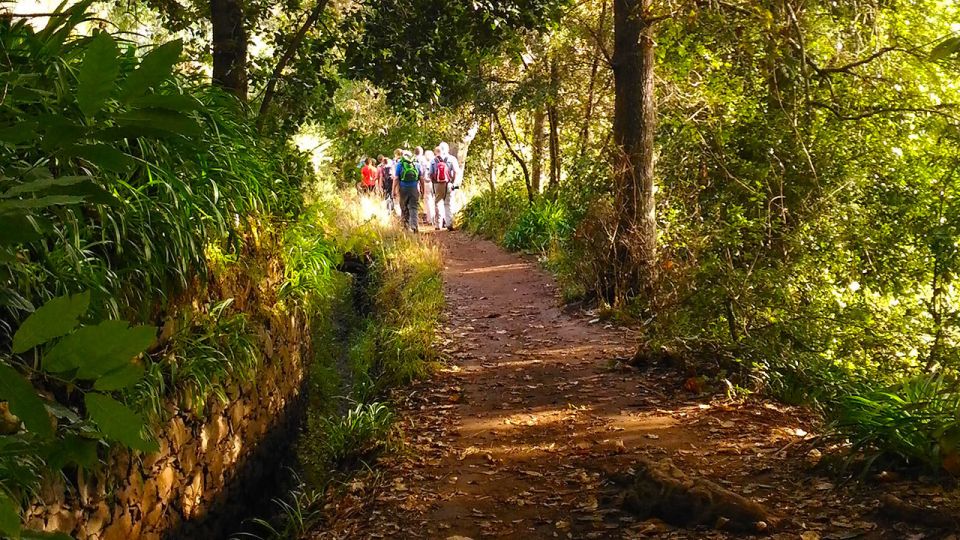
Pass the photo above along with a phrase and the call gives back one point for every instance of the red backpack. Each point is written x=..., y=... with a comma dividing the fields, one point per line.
x=443, y=171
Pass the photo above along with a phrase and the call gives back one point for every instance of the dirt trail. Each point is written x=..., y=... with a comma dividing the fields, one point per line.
x=516, y=439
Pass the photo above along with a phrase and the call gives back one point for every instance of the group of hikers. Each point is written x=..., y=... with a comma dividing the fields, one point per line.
x=409, y=176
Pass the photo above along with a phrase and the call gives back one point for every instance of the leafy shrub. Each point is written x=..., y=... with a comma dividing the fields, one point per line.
x=121, y=180
x=339, y=442
x=88, y=363
x=539, y=225
x=916, y=421
x=116, y=174
x=492, y=213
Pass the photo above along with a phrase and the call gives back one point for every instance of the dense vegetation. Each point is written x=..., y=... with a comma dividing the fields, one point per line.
x=133, y=196
x=770, y=192
x=805, y=201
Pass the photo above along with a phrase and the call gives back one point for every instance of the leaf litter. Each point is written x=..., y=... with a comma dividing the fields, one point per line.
x=528, y=432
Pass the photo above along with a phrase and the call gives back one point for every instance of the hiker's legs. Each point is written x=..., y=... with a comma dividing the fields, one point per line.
x=409, y=204
x=439, y=195
x=429, y=202
x=388, y=196
x=448, y=202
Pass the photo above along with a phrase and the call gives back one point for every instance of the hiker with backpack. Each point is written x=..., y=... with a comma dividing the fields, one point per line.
x=408, y=173
x=426, y=184
x=443, y=172
x=386, y=180
x=368, y=177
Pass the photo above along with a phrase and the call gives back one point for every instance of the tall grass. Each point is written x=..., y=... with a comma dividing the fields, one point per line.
x=383, y=335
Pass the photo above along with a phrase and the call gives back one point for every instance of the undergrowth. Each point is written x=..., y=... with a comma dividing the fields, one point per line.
x=373, y=330
x=834, y=350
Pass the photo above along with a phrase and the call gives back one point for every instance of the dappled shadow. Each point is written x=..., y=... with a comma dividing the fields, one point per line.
x=526, y=431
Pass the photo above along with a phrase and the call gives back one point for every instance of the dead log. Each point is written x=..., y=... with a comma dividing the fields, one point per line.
x=661, y=490
x=897, y=510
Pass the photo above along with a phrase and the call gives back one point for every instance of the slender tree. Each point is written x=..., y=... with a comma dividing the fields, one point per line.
x=553, y=120
x=536, y=172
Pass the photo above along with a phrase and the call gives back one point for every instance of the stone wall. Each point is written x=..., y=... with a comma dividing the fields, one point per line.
x=211, y=464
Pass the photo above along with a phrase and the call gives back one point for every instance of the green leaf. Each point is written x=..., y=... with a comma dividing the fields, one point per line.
x=58, y=317
x=97, y=350
x=9, y=205
x=122, y=377
x=24, y=401
x=155, y=67
x=98, y=73
x=30, y=534
x=170, y=102
x=104, y=156
x=162, y=120
x=117, y=422
x=73, y=449
x=18, y=133
x=945, y=48
x=59, y=132
x=16, y=229
x=44, y=184
x=9, y=516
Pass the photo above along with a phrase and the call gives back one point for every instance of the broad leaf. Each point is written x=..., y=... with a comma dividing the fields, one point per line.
x=122, y=377
x=44, y=184
x=170, y=102
x=9, y=516
x=75, y=450
x=24, y=401
x=155, y=67
x=20, y=132
x=104, y=156
x=59, y=132
x=946, y=48
x=98, y=73
x=162, y=120
x=8, y=205
x=117, y=422
x=16, y=229
x=97, y=350
x=30, y=534
x=56, y=318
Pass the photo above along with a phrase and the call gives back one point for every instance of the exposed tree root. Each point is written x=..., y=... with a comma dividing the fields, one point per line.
x=893, y=508
x=660, y=489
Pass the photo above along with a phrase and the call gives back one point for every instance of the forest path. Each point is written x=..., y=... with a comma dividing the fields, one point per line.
x=517, y=437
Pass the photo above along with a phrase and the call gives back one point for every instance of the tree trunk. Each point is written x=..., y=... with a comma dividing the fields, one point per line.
x=493, y=154
x=634, y=121
x=271, y=89
x=229, y=47
x=554, y=121
x=459, y=148
x=591, y=87
x=537, y=166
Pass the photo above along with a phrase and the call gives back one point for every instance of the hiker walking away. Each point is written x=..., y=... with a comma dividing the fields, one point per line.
x=409, y=173
x=368, y=177
x=443, y=171
x=426, y=184
x=386, y=181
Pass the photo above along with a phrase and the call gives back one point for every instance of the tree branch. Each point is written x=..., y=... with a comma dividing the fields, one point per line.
x=271, y=89
x=846, y=68
x=516, y=156
x=940, y=110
